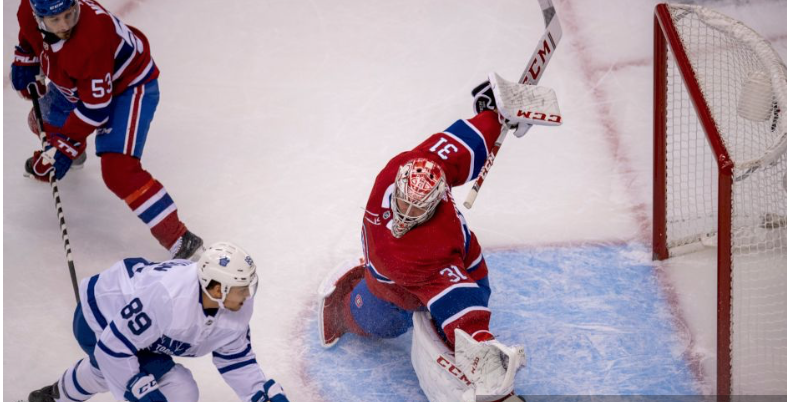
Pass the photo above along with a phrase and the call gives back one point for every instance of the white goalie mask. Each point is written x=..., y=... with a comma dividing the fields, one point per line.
x=230, y=266
x=419, y=188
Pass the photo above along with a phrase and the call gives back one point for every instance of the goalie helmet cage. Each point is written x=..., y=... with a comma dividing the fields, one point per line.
x=720, y=180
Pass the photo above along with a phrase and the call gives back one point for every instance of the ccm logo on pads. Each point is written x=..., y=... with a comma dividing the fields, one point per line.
x=552, y=118
x=451, y=368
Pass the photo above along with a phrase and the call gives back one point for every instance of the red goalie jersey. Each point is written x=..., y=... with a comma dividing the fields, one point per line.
x=437, y=264
x=102, y=57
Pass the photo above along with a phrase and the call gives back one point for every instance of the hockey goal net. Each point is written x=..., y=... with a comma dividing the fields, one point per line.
x=720, y=181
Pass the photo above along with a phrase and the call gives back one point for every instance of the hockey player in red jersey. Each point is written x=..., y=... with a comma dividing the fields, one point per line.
x=419, y=256
x=102, y=78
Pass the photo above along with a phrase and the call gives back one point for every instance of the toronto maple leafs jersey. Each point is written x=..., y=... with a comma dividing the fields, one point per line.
x=137, y=305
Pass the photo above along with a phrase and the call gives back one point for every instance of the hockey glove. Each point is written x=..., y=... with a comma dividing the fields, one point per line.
x=271, y=392
x=60, y=155
x=156, y=364
x=143, y=387
x=483, y=98
x=24, y=70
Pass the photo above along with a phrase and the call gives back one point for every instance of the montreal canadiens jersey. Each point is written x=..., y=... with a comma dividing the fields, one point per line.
x=438, y=264
x=103, y=57
x=137, y=305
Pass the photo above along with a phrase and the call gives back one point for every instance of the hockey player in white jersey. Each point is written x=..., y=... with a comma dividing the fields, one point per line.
x=136, y=315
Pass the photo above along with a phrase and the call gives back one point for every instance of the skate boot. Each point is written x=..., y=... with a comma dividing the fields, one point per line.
x=188, y=247
x=79, y=162
x=334, y=293
x=29, y=167
x=50, y=393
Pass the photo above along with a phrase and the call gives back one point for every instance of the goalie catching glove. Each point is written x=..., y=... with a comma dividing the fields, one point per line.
x=519, y=105
x=490, y=365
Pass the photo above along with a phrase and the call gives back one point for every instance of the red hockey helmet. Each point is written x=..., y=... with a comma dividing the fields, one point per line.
x=420, y=185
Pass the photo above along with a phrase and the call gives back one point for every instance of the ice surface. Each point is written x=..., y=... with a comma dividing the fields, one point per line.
x=275, y=117
x=593, y=320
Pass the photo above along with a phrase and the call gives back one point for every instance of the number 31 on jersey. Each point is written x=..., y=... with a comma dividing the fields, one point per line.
x=443, y=148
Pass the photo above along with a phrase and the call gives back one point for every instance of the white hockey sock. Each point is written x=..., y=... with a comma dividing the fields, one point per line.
x=81, y=382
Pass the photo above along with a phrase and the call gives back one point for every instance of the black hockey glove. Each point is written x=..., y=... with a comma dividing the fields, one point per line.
x=483, y=98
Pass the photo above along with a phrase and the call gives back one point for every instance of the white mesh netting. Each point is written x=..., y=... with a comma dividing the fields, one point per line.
x=744, y=84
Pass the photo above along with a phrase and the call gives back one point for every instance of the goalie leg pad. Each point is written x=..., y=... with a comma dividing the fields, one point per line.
x=434, y=363
x=377, y=317
x=333, y=313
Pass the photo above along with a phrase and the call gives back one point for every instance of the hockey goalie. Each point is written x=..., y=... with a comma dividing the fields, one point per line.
x=423, y=267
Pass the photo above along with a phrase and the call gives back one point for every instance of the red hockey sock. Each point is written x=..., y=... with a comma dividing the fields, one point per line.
x=124, y=176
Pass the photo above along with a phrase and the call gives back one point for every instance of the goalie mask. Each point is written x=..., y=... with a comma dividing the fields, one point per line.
x=230, y=266
x=419, y=187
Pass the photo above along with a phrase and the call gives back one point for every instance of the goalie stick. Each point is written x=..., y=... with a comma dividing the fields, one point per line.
x=55, y=192
x=533, y=71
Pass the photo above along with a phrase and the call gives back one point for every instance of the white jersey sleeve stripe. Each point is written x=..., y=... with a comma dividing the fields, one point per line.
x=110, y=352
x=475, y=264
x=235, y=356
x=448, y=290
x=97, y=105
x=463, y=312
x=122, y=338
x=143, y=74
x=93, y=304
x=376, y=274
x=89, y=120
x=237, y=366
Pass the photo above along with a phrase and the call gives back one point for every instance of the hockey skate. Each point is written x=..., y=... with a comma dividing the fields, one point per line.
x=333, y=292
x=188, y=247
x=50, y=393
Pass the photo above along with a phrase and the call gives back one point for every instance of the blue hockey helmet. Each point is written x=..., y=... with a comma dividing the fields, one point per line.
x=48, y=8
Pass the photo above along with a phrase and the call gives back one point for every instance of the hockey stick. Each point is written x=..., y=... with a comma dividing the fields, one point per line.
x=55, y=192
x=532, y=74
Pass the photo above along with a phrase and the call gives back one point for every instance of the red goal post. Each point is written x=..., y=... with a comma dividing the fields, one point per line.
x=720, y=180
